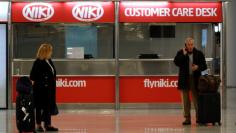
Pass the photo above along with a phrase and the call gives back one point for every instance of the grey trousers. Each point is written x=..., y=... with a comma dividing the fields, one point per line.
x=186, y=99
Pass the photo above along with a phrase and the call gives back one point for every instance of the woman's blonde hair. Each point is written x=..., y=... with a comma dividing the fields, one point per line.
x=44, y=50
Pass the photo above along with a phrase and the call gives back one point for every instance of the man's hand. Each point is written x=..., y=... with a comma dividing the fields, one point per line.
x=194, y=67
x=184, y=51
x=32, y=82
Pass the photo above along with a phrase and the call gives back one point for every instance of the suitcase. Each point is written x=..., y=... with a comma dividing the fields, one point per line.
x=209, y=108
x=25, y=117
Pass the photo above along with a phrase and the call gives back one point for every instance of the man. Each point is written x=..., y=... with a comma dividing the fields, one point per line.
x=190, y=62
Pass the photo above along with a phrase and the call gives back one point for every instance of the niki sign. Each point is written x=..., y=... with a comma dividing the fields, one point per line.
x=63, y=12
x=170, y=12
x=38, y=12
x=87, y=12
x=132, y=11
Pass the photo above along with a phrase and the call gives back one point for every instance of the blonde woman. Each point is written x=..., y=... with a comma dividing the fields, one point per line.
x=43, y=77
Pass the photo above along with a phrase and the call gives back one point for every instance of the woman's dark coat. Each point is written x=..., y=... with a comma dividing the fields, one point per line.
x=182, y=61
x=44, y=87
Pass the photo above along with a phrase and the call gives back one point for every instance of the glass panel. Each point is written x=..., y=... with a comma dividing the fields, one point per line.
x=159, y=43
x=69, y=40
x=164, y=39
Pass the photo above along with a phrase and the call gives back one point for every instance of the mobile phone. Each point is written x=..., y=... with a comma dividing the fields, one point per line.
x=185, y=47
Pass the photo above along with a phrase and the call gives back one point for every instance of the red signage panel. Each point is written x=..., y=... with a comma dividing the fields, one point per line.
x=154, y=89
x=89, y=12
x=104, y=12
x=97, y=89
x=170, y=12
x=63, y=12
x=81, y=89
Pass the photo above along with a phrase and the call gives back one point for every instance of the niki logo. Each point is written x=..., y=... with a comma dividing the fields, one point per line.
x=87, y=12
x=38, y=12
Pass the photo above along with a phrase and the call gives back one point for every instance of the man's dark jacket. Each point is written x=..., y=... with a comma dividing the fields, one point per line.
x=182, y=61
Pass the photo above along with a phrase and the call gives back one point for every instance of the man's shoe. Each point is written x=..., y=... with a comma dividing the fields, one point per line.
x=51, y=128
x=39, y=129
x=187, y=122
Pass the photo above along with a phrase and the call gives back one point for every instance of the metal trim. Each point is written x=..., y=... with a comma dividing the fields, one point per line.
x=117, y=66
x=70, y=106
x=151, y=105
x=116, y=0
x=170, y=59
x=223, y=52
x=75, y=75
x=145, y=75
x=149, y=75
x=92, y=60
x=66, y=60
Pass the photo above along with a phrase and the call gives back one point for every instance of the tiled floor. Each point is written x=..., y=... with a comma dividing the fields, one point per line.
x=129, y=121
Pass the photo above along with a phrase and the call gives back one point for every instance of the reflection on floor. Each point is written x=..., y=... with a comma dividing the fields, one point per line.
x=128, y=121
x=125, y=121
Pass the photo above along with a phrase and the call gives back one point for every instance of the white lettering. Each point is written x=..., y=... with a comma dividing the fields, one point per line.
x=198, y=12
x=160, y=83
x=87, y=11
x=80, y=12
x=38, y=12
x=136, y=12
x=71, y=83
x=30, y=12
x=214, y=12
x=206, y=12
x=182, y=12
x=91, y=12
x=41, y=12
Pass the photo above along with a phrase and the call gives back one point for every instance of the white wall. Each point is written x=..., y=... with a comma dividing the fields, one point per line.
x=231, y=44
x=3, y=66
x=4, y=10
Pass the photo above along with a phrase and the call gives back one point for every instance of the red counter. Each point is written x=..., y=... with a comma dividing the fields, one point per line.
x=101, y=89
